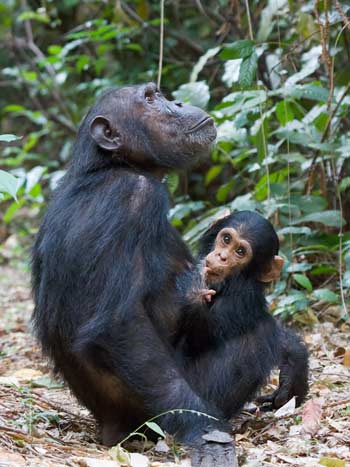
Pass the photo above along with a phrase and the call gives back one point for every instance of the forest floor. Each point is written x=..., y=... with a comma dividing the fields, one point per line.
x=42, y=425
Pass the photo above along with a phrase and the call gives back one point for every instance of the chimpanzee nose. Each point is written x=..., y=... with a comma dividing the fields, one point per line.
x=222, y=256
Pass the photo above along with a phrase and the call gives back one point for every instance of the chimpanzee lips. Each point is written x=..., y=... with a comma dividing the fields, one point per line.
x=204, y=121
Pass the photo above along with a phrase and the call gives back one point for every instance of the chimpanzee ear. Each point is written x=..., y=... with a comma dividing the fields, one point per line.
x=104, y=134
x=274, y=270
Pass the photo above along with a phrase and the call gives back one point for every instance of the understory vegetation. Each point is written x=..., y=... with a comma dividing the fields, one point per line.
x=275, y=76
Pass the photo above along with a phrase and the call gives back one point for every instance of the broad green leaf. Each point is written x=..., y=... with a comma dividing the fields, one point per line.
x=267, y=16
x=195, y=93
x=32, y=15
x=344, y=184
x=308, y=91
x=298, y=267
x=8, y=183
x=304, y=281
x=202, y=61
x=330, y=218
x=239, y=49
x=284, y=112
x=295, y=231
x=8, y=138
x=212, y=173
x=247, y=70
x=326, y=295
x=172, y=181
x=156, y=428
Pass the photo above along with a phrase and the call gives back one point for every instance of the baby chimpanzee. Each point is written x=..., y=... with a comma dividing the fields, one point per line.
x=229, y=313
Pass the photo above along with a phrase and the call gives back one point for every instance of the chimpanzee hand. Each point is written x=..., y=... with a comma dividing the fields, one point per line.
x=215, y=449
x=207, y=294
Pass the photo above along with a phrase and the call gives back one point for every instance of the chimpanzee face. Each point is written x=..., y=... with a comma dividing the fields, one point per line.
x=231, y=253
x=141, y=126
x=243, y=241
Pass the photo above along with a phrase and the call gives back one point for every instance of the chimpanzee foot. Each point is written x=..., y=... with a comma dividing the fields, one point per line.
x=112, y=434
x=217, y=450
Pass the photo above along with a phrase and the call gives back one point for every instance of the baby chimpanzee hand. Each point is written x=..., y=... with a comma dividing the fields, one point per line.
x=207, y=294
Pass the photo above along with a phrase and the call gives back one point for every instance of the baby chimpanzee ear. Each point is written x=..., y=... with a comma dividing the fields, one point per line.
x=273, y=272
x=104, y=134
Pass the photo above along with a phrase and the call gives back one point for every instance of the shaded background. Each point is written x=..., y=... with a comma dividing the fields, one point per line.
x=275, y=76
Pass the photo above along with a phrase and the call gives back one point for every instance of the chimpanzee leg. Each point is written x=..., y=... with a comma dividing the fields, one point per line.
x=232, y=374
x=117, y=410
x=293, y=366
x=144, y=362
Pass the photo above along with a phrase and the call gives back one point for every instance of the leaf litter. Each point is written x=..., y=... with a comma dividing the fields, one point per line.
x=41, y=424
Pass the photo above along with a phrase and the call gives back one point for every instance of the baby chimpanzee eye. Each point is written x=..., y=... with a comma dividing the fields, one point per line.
x=227, y=238
x=241, y=251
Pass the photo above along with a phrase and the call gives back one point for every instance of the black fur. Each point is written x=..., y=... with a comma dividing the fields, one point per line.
x=230, y=345
x=105, y=264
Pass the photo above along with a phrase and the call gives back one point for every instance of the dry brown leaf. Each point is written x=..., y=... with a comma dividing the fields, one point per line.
x=9, y=459
x=286, y=409
x=92, y=462
x=27, y=374
x=346, y=358
x=311, y=416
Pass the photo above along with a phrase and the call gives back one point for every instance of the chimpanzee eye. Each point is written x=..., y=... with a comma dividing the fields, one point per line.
x=241, y=251
x=227, y=239
x=149, y=95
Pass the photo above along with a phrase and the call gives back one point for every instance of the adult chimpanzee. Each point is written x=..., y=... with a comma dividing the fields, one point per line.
x=239, y=254
x=105, y=264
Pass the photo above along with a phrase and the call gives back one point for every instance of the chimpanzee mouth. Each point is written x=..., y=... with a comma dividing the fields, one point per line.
x=200, y=124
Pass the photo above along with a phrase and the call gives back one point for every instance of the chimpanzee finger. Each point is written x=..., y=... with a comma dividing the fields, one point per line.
x=268, y=398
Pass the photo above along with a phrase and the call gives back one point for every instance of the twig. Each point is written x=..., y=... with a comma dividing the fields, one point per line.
x=161, y=43
x=328, y=125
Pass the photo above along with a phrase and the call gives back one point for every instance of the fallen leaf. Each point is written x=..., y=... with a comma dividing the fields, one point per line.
x=286, y=409
x=346, y=358
x=161, y=446
x=332, y=462
x=93, y=462
x=138, y=460
x=119, y=454
x=10, y=459
x=27, y=374
x=311, y=416
x=218, y=437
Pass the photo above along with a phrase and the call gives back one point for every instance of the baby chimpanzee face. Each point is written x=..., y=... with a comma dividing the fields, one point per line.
x=242, y=242
x=231, y=253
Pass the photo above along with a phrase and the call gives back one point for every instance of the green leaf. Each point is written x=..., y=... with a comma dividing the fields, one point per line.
x=195, y=93
x=303, y=281
x=202, y=61
x=32, y=15
x=330, y=218
x=326, y=295
x=247, y=70
x=212, y=173
x=156, y=428
x=238, y=49
x=172, y=181
x=8, y=183
x=284, y=112
x=8, y=138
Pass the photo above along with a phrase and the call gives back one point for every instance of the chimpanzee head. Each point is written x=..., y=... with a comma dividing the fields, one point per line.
x=243, y=242
x=138, y=126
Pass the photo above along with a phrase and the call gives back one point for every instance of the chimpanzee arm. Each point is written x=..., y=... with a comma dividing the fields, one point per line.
x=293, y=378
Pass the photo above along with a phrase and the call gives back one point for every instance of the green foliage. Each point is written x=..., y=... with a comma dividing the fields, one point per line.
x=281, y=111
